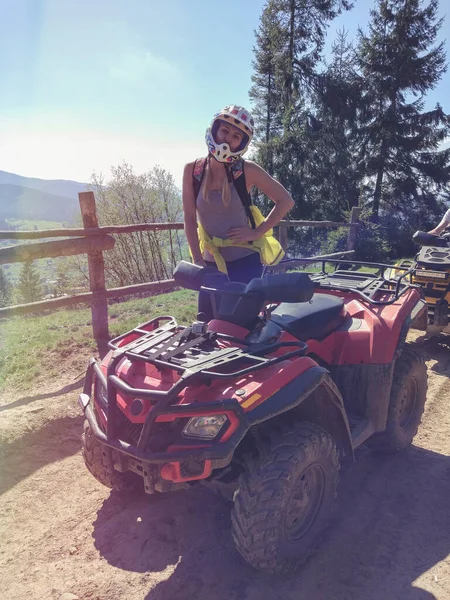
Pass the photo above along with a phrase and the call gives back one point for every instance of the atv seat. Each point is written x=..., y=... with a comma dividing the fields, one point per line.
x=311, y=320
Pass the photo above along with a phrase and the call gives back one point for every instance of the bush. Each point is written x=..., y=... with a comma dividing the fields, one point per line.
x=371, y=243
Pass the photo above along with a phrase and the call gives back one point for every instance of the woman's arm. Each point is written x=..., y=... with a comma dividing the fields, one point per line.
x=190, y=215
x=442, y=225
x=256, y=176
x=440, y=228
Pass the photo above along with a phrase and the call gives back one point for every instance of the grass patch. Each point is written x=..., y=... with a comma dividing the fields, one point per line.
x=26, y=225
x=316, y=267
x=34, y=347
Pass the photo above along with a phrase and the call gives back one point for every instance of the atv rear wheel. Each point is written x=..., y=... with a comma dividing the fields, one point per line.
x=406, y=404
x=101, y=467
x=284, y=502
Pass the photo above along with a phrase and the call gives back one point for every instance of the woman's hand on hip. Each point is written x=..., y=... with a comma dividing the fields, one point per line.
x=242, y=234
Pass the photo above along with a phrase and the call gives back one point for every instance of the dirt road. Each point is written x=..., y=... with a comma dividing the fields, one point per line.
x=64, y=536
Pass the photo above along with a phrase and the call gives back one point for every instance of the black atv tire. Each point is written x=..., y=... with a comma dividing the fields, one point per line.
x=299, y=465
x=100, y=466
x=406, y=404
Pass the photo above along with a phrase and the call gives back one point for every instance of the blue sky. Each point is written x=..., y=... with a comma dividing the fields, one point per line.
x=85, y=84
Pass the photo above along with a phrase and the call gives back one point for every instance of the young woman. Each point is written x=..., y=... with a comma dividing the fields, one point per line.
x=222, y=229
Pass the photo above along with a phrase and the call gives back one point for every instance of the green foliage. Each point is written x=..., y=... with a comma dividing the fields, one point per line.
x=64, y=282
x=27, y=225
x=371, y=244
x=335, y=169
x=128, y=199
x=290, y=40
x=5, y=290
x=399, y=63
x=29, y=286
x=353, y=132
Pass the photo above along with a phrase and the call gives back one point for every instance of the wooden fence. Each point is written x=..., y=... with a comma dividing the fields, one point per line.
x=93, y=240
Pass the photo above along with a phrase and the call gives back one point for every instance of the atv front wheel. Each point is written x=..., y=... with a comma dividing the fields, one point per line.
x=100, y=465
x=406, y=404
x=284, y=502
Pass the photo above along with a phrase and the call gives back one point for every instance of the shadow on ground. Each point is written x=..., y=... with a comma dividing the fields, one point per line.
x=392, y=526
x=56, y=440
x=30, y=399
x=436, y=348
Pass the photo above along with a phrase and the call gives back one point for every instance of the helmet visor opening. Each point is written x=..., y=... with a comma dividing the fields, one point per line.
x=218, y=122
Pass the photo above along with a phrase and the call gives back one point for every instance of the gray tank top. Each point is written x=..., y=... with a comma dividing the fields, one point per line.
x=217, y=219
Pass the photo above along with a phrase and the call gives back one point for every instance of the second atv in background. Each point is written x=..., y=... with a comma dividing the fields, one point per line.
x=432, y=272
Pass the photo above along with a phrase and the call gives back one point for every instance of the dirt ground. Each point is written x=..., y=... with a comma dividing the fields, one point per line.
x=64, y=536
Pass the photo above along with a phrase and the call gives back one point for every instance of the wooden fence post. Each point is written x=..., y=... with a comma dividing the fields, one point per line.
x=351, y=239
x=99, y=306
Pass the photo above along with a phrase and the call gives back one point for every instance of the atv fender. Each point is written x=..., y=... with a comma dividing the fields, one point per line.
x=313, y=397
x=417, y=319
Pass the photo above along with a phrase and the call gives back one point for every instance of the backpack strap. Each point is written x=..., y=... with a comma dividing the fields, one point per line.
x=198, y=172
x=235, y=174
x=238, y=178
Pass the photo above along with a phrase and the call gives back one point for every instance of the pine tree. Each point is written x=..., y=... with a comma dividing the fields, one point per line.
x=5, y=290
x=305, y=24
x=334, y=168
x=400, y=62
x=29, y=287
x=290, y=42
x=265, y=91
x=63, y=279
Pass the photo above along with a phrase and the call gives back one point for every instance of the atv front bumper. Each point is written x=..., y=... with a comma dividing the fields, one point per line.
x=179, y=463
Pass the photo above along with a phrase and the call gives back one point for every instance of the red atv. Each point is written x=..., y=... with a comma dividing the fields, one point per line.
x=263, y=402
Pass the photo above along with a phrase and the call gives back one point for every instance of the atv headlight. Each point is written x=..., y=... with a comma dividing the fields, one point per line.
x=205, y=427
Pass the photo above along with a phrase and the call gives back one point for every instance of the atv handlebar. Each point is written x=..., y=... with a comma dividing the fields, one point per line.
x=428, y=239
x=283, y=287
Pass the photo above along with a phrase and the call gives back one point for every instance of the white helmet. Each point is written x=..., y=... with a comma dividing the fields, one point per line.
x=240, y=118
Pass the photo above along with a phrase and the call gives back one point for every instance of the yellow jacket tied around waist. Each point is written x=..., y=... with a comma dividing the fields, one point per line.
x=269, y=248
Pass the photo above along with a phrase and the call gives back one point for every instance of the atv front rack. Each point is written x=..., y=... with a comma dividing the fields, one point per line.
x=192, y=354
x=366, y=285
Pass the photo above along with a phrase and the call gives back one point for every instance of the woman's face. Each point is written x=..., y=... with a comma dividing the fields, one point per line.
x=229, y=134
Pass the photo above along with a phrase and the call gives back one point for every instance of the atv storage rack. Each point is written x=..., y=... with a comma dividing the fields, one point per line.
x=364, y=284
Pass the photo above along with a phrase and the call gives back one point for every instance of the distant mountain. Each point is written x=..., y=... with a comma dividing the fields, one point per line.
x=29, y=198
x=60, y=187
x=23, y=203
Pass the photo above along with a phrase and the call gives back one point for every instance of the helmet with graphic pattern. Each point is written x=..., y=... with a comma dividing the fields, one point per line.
x=240, y=118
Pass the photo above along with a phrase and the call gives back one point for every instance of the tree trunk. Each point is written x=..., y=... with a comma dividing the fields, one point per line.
x=379, y=182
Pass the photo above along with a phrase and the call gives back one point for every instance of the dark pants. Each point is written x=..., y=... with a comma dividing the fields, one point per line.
x=243, y=269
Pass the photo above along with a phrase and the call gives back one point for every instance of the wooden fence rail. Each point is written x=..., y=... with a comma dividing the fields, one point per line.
x=88, y=297
x=68, y=247
x=93, y=240
x=89, y=231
